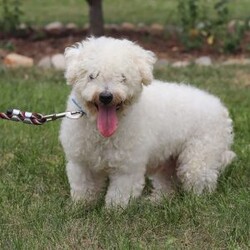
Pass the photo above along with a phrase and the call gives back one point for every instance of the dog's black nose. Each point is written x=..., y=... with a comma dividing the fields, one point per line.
x=105, y=97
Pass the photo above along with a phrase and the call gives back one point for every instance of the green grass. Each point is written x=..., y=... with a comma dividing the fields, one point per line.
x=35, y=207
x=136, y=11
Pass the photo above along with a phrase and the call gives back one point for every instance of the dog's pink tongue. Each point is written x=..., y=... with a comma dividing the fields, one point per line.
x=107, y=121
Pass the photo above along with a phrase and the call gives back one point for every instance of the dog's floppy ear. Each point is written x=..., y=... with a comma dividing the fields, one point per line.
x=72, y=55
x=146, y=60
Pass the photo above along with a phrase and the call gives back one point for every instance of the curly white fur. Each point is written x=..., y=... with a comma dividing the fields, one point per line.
x=163, y=128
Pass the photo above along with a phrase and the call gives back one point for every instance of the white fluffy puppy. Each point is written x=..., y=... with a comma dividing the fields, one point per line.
x=137, y=126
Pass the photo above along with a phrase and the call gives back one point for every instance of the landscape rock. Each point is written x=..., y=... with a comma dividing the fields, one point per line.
x=14, y=60
x=181, y=64
x=45, y=63
x=156, y=29
x=203, y=61
x=54, y=28
x=58, y=61
x=142, y=27
x=237, y=61
x=112, y=26
x=161, y=63
x=71, y=26
x=128, y=26
x=22, y=26
x=86, y=26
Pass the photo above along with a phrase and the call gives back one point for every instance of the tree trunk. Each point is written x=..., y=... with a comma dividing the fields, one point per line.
x=96, y=17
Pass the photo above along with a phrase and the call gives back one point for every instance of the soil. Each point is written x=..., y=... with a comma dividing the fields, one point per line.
x=38, y=44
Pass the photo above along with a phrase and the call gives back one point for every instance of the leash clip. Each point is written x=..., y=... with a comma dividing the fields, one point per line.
x=68, y=114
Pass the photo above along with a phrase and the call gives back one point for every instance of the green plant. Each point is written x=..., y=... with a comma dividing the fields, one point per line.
x=232, y=43
x=221, y=8
x=189, y=16
x=220, y=28
x=7, y=46
x=11, y=13
x=206, y=24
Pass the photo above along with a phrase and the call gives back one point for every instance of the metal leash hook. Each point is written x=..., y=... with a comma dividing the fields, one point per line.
x=68, y=114
x=36, y=118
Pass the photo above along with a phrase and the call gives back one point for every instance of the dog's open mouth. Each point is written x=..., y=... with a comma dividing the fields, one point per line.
x=118, y=106
x=107, y=121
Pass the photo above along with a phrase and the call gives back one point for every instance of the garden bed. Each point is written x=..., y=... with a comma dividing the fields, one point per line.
x=37, y=44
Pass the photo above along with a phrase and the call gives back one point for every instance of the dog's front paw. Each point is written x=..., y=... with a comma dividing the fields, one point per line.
x=116, y=202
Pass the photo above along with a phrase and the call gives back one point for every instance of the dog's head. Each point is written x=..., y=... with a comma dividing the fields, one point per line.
x=107, y=75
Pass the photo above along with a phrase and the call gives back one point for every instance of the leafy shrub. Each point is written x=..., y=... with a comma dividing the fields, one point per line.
x=202, y=23
x=11, y=13
x=189, y=16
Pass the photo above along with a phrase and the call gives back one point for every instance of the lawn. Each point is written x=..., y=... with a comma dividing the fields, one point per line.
x=136, y=11
x=35, y=207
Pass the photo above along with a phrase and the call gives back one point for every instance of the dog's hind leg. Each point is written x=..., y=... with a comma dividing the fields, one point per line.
x=163, y=180
x=86, y=185
x=200, y=163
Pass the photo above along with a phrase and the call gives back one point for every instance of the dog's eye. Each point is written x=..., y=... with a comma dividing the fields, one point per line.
x=123, y=78
x=91, y=77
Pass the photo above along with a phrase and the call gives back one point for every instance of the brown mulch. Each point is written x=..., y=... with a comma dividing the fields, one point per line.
x=38, y=45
